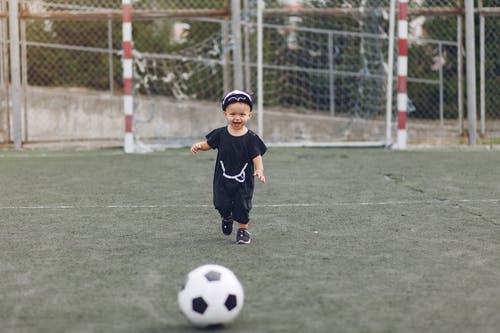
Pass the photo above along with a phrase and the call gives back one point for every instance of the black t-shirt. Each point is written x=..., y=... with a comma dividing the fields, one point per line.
x=235, y=154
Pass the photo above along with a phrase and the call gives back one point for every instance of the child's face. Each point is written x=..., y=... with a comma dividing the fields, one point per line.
x=237, y=115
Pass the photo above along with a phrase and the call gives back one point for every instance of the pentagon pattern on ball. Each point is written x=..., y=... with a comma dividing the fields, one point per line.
x=199, y=305
x=211, y=295
x=231, y=302
x=213, y=276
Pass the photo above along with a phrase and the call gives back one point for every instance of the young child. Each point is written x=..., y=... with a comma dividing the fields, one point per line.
x=239, y=159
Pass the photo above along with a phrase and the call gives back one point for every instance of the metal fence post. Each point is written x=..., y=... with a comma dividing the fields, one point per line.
x=331, y=75
x=441, y=88
x=225, y=61
x=390, y=73
x=460, y=71
x=482, y=77
x=110, y=57
x=260, y=66
x=24, y=78
x=237, y=53
x=246, y=40
x=15, y=72
x=471, y=71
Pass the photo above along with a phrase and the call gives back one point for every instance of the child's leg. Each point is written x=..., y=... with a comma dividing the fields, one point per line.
x=223, y=203
x=227, y=221
x=241, y=209
x=225, y=213
x=241, y=212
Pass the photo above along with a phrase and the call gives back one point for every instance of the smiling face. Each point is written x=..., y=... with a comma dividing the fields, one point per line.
x=237, y=116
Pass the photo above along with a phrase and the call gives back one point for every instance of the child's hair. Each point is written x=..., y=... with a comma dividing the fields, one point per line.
x=237, y=96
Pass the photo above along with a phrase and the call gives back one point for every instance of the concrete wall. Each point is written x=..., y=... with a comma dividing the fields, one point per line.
x=71, y=115
x=59, y=115
x=63, y=116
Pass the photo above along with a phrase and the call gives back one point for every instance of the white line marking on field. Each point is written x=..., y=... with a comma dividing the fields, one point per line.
x=78, y=153
x=277, y=205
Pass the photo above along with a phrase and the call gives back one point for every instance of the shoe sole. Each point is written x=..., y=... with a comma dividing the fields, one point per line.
x=243, y=242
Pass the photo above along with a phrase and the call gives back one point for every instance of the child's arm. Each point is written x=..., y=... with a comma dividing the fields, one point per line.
x=258, y=166
x=203, y=145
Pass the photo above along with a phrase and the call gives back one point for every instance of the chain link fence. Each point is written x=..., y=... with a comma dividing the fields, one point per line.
x=331, y=62
x=435, y=102
x=489, y=66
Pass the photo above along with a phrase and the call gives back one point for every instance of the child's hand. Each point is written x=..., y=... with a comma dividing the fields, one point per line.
x=260, y=174
x=195, y=148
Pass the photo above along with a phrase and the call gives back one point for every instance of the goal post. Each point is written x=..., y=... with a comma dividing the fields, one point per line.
x=148, y=74
x=390, y=72
x=402, y=99
x=317, y=81
x=128, y=94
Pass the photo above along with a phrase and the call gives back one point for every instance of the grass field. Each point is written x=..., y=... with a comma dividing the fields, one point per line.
x=344, y=240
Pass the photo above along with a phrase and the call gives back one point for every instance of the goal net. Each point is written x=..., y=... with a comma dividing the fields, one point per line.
x=324, y=73
x=176, y=92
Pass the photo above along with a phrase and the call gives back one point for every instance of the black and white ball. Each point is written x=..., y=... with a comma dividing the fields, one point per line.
x=211, y=295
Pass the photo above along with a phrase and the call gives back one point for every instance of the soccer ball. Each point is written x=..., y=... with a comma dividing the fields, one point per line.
x=210, y=296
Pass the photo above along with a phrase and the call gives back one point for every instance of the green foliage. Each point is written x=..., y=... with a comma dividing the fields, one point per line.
x=58, y=58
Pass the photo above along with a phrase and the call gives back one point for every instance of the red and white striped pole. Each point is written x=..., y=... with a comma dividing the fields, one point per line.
x=128, y=99
x=402, y=73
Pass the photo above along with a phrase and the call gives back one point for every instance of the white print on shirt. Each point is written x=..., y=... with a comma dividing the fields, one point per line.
x=239, y=177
